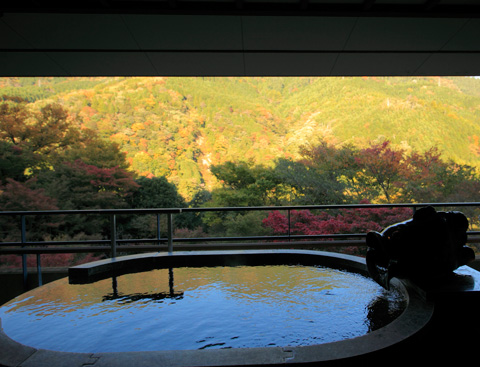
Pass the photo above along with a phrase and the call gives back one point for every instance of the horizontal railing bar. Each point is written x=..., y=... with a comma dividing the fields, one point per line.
x=84, y=249
x=279, y=237
x=251, y=208
x=53, y=250
x=332, y=206
x=279, y=244
x=155, y=240
x=53, y=243
x=275, y=237
x=193, y=239
x=184, y=247
x=96, y=211
x=87, y=242
x=199, y=239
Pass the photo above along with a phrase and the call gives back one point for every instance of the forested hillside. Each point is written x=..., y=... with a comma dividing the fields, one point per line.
x=87, y=143
x=180, y=127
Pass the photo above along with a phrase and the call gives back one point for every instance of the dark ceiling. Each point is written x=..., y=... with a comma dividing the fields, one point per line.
x=240, y=37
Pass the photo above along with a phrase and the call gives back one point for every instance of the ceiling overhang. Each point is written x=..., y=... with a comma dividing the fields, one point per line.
x=240, y=37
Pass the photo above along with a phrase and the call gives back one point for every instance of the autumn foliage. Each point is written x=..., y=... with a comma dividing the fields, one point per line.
x=343, y=221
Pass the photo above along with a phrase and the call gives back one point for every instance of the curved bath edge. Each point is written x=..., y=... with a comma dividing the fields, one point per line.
x=416, y=316
x=102, y=269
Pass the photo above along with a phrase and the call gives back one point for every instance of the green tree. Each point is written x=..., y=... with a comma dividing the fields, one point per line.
x=243, y=185
x=94, y=151
x=304, y=183
x=14, y=161
x=338, y=170
x=157, y=192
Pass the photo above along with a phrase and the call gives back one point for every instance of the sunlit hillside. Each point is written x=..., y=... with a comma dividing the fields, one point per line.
x=180, y=127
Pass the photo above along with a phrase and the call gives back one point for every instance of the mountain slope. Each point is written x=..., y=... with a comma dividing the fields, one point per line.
x=179, y=127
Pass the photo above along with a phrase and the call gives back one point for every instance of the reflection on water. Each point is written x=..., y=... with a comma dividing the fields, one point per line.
x=127, y=298
x=199, y=308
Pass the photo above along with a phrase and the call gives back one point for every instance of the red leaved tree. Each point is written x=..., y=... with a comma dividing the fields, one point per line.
x=344, y=221
x=23, y=196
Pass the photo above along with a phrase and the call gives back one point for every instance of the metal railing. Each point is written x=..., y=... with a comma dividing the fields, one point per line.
x=113, y=244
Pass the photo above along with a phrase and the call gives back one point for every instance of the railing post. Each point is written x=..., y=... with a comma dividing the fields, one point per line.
x=170, y=232
x=24, y=256
x=158, y=229
x=39, y=270
x=289, y=225
x=113, y=235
